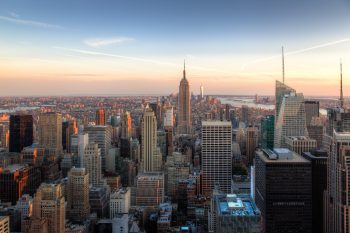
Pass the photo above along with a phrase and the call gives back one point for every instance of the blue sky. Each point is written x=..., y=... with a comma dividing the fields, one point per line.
x=217, y=38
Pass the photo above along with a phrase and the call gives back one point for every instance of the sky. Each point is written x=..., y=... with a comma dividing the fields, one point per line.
x=137, y=47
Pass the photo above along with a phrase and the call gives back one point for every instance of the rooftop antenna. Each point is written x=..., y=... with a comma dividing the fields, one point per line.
x=341, y=85
x=283, y=63
x=184, y=68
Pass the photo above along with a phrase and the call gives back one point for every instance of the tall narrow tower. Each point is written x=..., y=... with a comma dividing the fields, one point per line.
x=184, y=120
x=341, y=85
x=283, y=64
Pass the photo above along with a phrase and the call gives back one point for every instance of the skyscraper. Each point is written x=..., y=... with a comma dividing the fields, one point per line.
x=50, y=130
x=283, y=191
x=149, y=189
x=100, y=118
x=92, y=163
x=78, y=208
x=126, y=125
x=184, y=108
x=216, y=156
x=291, y=118
x=252, y=144
x=49, y=204
x=267, y=131
x=21, y=132
x=245, y=114
x=338, y=192
x=280, y=91
x=151, y=156
x=69, y=128
x=312, y=109
x=202, y=92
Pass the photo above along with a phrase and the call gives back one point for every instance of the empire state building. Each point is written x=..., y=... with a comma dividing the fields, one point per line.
x=184, y=119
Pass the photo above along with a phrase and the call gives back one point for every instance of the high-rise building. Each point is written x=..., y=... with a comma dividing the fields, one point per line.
x=202, y=92
x=233, y=213
x=251, y=143
x=216, y=156
x=318, y=161
x=291, y=119
x=21, y=132
x=92, y=163
x=4, y=224
x=157, y=109
x=336, y=206
x=119, y=202
x=300, y=144
x=100, y=118
x=69, y=128
x=150, y=189
x=151, y=156
x=126, y=125
x=18, y=179
x=283, y=191
x=4, y=135
x=267, y=131
x=49, y=204
x=102, y=135
x=184, y=107
x=25, y=206
x=78, y=208
x=312, y=109
x=245, y=114
x=280, y=91
x=338, y=120
x=227, y=112
x=50, y=130
x=83, y=141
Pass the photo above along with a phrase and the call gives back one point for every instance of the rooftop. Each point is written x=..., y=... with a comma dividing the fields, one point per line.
x=280, y=155
x=13, y=168
x=216, y=123
x=236, y=205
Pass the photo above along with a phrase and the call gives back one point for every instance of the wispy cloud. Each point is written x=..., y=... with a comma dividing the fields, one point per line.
x=99, y=42
x=28, y=22
x=157, y=62
x=13, y=14
x=331, y=43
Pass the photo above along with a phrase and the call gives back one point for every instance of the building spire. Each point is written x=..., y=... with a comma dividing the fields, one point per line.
x=283, y=64
x=341, y=85
x=184, y=69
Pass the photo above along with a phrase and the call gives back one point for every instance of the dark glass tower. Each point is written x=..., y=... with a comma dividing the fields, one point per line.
x=267, y=131
x=21, y=132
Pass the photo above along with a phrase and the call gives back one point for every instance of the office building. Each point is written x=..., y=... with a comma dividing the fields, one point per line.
x=69, y=128
x=184, y=106
x=338, y=120
x=21, y=132
x=151, y=155
x=99, y=201
x=281, y=90
x=291, y=119
x=119, y=202
x=336, y=206
x=4, y=224
x=318, y=161
x=216, y=156
x=100, y=118
x=267, y=131
x=245, y=114
x=78, y=208
x=202, y=92
x=18, y=179
x=233, y=213
x=102, y=135
x=252, y=134
x=149, y=189
x=92, y=164
x=283, y=191
x=50, y=130
x=312, y=110
x=82, y=142
x=300, y=144
x=49, y=204
x=126, y=125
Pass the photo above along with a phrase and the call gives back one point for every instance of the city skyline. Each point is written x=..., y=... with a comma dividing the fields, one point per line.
x=121, y=48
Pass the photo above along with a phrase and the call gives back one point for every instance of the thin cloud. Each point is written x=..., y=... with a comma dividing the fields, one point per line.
x=27, y=22
x=93, y=53
x=297, y=52
x=13, y=14
x=99, y=42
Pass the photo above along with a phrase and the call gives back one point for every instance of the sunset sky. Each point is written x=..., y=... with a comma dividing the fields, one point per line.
x=136, y=47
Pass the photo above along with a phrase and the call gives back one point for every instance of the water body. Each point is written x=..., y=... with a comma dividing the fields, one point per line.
x=18, y=109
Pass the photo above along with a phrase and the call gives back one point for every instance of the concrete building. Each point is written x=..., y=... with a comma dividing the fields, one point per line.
x=151, y=156
x=283, y=191
x=49, y=203
x=184, y=106
x=234, y=213
x=102, y=135
x=4, y=224
x=25, y=206
x=300, y=144
x=92, y=163
x=119, y=202
x=312, y=110
x=21, y=132
x=149, y=189
x=245, y=114
x=252, y=135
x=50, y=130
x=100, y=118
x=78, y=208
x=216, y=156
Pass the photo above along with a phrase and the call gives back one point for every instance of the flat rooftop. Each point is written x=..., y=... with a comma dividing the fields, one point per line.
x=13, y=168
x=280, y=155
x=216, y=123
x=236, y=205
